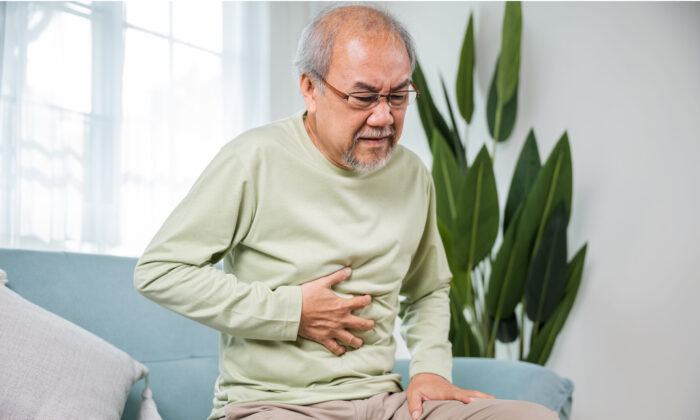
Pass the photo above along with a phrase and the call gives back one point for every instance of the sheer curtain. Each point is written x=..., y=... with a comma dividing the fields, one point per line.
x=110, y=110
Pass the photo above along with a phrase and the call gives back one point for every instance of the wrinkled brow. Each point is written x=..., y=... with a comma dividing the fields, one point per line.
x=361, y=86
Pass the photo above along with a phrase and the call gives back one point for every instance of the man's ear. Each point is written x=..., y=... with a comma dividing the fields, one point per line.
x=308, y=92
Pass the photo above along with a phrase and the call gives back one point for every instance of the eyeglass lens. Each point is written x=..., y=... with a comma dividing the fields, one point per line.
x=397, y=99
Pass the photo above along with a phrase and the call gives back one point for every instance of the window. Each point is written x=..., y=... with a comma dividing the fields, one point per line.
x=109, y=111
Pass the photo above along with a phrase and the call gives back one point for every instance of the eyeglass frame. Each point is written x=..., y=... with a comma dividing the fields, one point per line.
x=346, y=96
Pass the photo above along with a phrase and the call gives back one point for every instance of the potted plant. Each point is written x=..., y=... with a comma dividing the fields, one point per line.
x=522, y=288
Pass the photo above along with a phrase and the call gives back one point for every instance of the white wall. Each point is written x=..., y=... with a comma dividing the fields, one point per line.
x=624, y=80
x=287, y=20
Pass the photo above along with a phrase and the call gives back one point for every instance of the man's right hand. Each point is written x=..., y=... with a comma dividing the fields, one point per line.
x=326, y=317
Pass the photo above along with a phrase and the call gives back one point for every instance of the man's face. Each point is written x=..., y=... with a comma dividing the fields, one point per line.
x=353, y=138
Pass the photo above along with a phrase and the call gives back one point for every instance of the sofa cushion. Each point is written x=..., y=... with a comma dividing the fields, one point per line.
x=53, y=369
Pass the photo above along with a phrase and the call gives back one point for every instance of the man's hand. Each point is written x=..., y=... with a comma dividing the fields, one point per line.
x=429, y=386
x=326, y=317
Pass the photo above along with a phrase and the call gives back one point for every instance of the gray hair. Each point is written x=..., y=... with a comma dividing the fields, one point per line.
x=315, y=47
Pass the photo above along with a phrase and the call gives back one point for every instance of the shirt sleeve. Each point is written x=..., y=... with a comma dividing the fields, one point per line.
x=425, y=310
x=176, y=269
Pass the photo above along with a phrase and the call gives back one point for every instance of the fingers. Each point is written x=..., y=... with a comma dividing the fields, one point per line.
x=348, y=339
x=478, y=394
x=415, y=405
x=466, y=396
x=359, y=302
x=327, y=317
x=334, y=347
x=337, y=277
x=463, y=396
x=356, y=323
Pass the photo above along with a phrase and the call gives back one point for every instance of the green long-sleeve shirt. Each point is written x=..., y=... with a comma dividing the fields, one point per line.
x=280, y=214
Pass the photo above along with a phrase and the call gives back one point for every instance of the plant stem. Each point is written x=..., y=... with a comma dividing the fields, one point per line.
x=522, y=327
x=535, y=329
x=497, y=318
x=476, y=307
x=484, y=320
x=477, y=296
x=492, y=340
x=470, y=301
x=462, y=156
x=483, y=293
x=469, y=291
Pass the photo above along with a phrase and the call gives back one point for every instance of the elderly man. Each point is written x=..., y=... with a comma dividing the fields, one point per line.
x=327, y=231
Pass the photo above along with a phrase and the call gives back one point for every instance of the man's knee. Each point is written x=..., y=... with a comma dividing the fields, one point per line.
x=482, y=409
x=523, y=410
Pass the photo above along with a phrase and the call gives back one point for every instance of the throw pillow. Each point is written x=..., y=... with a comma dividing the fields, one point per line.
x=52, y=369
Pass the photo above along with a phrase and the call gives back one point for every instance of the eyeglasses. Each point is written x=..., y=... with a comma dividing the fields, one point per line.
x=399, y=99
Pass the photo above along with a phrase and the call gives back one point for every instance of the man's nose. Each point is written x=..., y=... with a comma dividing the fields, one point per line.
x=381, y=114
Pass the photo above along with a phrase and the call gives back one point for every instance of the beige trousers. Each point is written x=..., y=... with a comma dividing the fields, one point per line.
x=388, y=406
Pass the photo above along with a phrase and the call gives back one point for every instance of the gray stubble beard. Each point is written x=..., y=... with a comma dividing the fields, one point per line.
x=376, y=163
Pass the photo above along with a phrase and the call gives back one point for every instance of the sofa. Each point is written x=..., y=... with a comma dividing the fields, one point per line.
x=96, y=293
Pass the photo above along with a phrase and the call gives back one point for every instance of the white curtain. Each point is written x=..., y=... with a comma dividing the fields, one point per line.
x=109, y=111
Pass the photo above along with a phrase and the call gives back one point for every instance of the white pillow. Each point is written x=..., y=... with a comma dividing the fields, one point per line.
x=52, y=369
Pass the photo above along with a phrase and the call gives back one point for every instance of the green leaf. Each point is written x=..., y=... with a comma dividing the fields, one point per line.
x=526, y=171
x=464, y=341
x=465, y=74
x=546, y=277
x=475, y=347
x=429, y=115
x=441, y=125
x=510, y=52
x=508, y=113
x=552, y=185
x=462, y=285
x=460, y=347
x=459, y=275
x=544, y=340
x=508, y=275
x=423, y=103
x=457, y=142
x=508, y=330
x=476, y=226
x=447, y=177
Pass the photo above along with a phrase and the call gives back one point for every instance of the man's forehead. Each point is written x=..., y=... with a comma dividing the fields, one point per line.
x=369, y=61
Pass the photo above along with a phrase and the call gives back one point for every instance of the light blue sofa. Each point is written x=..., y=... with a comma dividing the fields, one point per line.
x=97, y=293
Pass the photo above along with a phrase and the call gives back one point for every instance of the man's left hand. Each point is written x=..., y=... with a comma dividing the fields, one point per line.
x=429, y=386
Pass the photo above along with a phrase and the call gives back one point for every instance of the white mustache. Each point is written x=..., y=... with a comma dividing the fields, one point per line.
x=376, y=133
